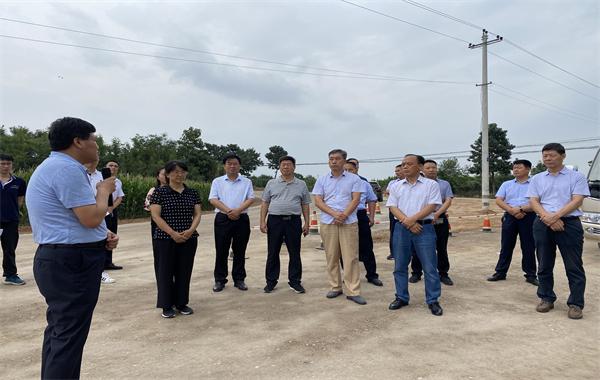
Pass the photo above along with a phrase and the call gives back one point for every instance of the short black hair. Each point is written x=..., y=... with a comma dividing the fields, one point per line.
x=352, y=163
x=341, y=152
x=352, y=159
x=63, y=131
x=172, y=165
x=399, y=165
x=287, y=158
x=230, y=156
x=558, y=148
x=420, y=158
x=111, y=160
x=525, y=163
x=6, y=157
x=430, y=162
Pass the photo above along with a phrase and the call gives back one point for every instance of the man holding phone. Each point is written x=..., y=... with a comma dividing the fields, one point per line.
x=284, y=199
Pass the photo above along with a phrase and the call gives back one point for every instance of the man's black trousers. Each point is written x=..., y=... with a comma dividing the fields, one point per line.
x=442, y=233
x=365, y=245
x=234, y=234
x=112, y=223
x=69, y=280
x=511, y=227
x=175, y=264
x=9, y=240
x=280, y=228
x=570, y=244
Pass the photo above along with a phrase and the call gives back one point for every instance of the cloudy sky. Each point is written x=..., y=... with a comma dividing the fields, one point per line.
x=337, y=82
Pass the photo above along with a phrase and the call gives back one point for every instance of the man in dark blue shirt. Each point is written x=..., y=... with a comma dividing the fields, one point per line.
x=12, y=194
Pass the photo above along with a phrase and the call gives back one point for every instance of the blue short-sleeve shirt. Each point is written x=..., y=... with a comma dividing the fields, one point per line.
x=514, y=193
x=555, y=191
x=337, y=194
x=58, y=185
x=231, y=193
x=367, y=196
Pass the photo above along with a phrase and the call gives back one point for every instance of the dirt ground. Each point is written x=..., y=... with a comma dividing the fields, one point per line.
x=488, y=330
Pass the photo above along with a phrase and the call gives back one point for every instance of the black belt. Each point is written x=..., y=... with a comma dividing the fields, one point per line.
x=425, y=221
x=569, y=217
x=285, y=217
x=97, y=244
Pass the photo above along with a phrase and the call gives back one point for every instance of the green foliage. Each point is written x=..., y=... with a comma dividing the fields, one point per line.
x=27, y=148
x=499, y=154
x=260, y=181
x=250, y=157
x=537, y=168
x=273, y=156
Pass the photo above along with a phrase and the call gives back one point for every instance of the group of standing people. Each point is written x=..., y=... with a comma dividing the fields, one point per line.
x=69, y=207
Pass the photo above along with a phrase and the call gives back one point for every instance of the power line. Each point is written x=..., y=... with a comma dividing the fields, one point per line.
x=404, y=21
x=379, y=78
x=464, y=22
x=200, y=51
x=595, y=122
x=550, y=63
x=463, y=153
x=591, y=118
x=545, y=77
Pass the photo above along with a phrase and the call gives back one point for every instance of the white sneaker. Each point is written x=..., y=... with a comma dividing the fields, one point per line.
x=106, y=279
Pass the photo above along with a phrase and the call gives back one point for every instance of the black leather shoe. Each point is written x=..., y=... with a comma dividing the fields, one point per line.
x=446, y=280
x=112, y=266
x=436, y=309
x=414, y=279
x=218, y=286
x=532, y=281
x=375, y=281
x=497, y=277
x=241, y=285
x=269, y=288
x=397, y=304
x=390, y=257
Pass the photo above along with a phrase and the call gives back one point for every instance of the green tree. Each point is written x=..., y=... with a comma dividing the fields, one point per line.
x=147, y=153
x=273, y=156
x=250, y=157
x=192, y=150
x=538, y=168
x=499, y=154
x=27, y=148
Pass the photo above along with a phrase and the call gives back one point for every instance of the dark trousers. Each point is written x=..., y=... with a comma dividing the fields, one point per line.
x=442, y=233
x=9, y=240
x=570, y=244
x=112, y=222
x=69, y=280
x=175, y=264
x=154, y=251
x=234, y=234
x=365, y=245
x=280, y=227
x=511, y=227
x=392, y=223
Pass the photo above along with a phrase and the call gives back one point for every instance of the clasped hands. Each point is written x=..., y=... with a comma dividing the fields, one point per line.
x=182, y=237
x=553, y=221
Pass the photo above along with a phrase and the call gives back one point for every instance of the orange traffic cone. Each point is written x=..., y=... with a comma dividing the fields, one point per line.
x=487, y=226
x=313, y=229
x=377, y=208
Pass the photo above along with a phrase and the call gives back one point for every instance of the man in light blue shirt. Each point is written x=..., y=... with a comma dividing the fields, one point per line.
x=231, y=195
x=517, y=221
x=337, y=195
x=413, y=202
x=556, y=195
x=399, y=176
x=67, y=222
x=441, y=227
x=368, y=199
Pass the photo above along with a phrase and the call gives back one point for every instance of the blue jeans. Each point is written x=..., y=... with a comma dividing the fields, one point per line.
x=424, y=246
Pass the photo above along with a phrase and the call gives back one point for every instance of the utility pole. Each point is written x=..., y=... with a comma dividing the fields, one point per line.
x=485, y=165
